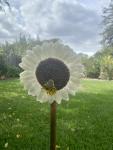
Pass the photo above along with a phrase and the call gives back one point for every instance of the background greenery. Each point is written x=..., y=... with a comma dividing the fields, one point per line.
x=100, y=65
x=84, y=123
x=11, y=54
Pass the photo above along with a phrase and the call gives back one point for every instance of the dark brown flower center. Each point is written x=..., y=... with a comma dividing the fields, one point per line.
x=52, y=72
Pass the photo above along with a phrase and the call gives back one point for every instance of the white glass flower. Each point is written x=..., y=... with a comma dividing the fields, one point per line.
x=52, y=71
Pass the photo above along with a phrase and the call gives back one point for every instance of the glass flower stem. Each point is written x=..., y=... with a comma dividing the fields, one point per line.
x=53, y=126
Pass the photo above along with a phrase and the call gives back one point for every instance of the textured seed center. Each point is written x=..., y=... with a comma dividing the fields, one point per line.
x=52, y=74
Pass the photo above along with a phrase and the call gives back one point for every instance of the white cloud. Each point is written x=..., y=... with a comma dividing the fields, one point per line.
x=9, y=26
x=76, y=22
x=72, y=22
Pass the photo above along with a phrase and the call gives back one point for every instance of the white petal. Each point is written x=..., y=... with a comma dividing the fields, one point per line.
x=48, y=49
x=32, y=56
x=51, y=99
x=58, y=97
x=43, y=97
x=40, y=53
x=65, y=95
x=26, y=61
x=30, y=82
x=34, y=90
x=27, y=73
x=25, y=66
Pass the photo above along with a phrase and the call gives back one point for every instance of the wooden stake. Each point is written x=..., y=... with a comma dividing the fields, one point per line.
x=53, y=127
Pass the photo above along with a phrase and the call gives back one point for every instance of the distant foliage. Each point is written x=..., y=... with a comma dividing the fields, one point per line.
x=106, y=61
x=108, y=25
x=13, y=72
x=91, y=65
x=11, y=54
x=100, y=65
x=107, y=67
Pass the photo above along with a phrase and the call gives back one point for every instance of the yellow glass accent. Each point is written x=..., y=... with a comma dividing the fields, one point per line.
x=50, y=87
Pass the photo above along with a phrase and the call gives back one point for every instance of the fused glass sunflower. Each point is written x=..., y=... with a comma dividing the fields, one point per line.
x=52, y=72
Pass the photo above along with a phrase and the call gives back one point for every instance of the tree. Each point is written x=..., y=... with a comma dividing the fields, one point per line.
x=108, y=25
x=4, y=3
x=93, y=67
x=3, y=67
x=107, y=67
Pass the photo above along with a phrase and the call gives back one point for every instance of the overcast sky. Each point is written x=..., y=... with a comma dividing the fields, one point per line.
x=76, y=22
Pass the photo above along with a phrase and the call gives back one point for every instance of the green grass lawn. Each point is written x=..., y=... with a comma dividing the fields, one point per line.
x=83, y=123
